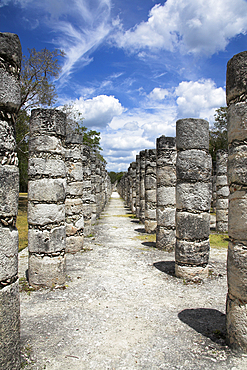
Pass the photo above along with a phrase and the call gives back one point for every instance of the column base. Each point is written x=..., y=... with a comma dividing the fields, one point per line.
x=236, y=323
x=192, y=273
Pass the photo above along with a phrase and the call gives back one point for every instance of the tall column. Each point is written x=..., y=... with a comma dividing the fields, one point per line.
x=236, y=95
x=193, y=199
x=138, y=167
x=150, y=191
x=133, y=187
x=166, y=193
x=46, y=198
x=142, y=186
x=93, y=187
x=87, y=210
x=222, y=191
x=74, y=192
x=10, y=63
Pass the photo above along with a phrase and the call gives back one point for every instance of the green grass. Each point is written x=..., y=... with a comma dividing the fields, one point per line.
x=146, y=237
x=218, y=240
x=21, y=222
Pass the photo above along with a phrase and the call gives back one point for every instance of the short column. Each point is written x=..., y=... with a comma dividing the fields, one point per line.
x=193, y=199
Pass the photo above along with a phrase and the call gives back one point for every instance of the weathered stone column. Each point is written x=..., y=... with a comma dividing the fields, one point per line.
x=74, y=192
x=236, y=95
x=133, y=187
x=166, y=193
x=86, y=198
x=193, y=199
x=222, y=191
x=10, y=63
x=46, y=198
x=142, y=186
x=138, y=168
x=150, y=191
x=93, y=187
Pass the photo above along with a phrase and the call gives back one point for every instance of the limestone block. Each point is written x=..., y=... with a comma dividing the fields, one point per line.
x=236, y=270
x=47, y=121
x=7, y=136
x=192, y=253
x=80, y=223
x=165, y=238
x=47, y=241
x=166, y=216
x=45, y=143
x=221, y=180
x=150, y=226
x=237, y=165
x=237, y=215
x=74, y=244
x=75, y=188
x=75, y=171
x=221, y=215
x=47, y=190
x=166, y=176
x=46, y=167
x=192, y=133
x=165, y=143
x=221, y=203
x=236, y=76
x=192, y=226
x=237, y=122
x=10, y=48
x=46, y=271
x=194, y=196
x=74, y=138
x=10, y=327
x=236, y=323
x=192, y=273
x=166, y=195
x=42, y=214
x=150, y=214
x=194, y=165
x=222, y=226
x=223, y=192
x=9, y=190
x=73, y=154
x=150, y=195
x=73, y=206
x=10, y=91
x=8, y=253
x=150, y=182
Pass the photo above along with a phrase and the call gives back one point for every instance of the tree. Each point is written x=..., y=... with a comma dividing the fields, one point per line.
x=218, y=133
x=115, y=176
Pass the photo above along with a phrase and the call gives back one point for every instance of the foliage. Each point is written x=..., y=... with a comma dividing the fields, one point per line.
x=115, y=176
x=218, y=133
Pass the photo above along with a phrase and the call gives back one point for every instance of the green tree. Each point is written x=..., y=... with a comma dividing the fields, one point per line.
x=218, y=133
x=115, y=176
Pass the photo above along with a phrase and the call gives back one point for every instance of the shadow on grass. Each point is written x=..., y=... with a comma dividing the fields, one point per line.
x=209, y=322
x=149, y=244
x=140, y=230
x=168, y=267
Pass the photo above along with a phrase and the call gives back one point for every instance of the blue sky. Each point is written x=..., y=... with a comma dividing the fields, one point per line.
x=133, y=67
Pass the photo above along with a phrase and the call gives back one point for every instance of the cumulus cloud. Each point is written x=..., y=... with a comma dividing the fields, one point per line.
x=191, y=26
x=199, y=99
x=98, y=111
x=158, y=94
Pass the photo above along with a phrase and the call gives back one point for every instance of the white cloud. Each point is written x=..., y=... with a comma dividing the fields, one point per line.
x=98, y=111
x=158, y=94
x=192, y=26
x=199, y=99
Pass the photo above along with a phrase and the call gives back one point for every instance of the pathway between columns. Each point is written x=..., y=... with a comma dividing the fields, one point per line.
x=123, y=308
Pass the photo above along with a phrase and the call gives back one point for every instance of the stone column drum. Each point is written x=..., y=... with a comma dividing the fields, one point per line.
x=133, y=187
x=236, y=95
x=166, y=193
x=150, y=191
x=46, y=198
x=193, y=199
x=138, y=167
x=142, y=187
x=10, y=63
x=222, y=191
x=74, y=193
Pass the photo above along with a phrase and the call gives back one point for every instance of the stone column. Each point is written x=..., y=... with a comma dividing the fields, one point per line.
x=193, y=199
x=236, y=95
x=150, y=191
x=10, y=63
x=138, y=167
x=74, y=193
x=46, y=198
x=87, y=210
x=93, y=187
x=166, y=193
x=222, y=192
x=142, y=186
x=133, y=187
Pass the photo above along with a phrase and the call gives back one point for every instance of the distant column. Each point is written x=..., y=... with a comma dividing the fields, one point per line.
x=138, y=167
x=133, y=187
x=150, y=191
x=46, y=198
x=93, y=187
x=142, y=186
x=222, y=191
x=87, y=209
x=236, y=95
x=193, y=199
x=166, y=193
x=74, y=193
x=10, y=98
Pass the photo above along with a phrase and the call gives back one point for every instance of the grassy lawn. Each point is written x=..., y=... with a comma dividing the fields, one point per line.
x=21, y=222
x=218, y=240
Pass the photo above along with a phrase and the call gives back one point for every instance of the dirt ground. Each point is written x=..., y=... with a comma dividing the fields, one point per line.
x=123, y=308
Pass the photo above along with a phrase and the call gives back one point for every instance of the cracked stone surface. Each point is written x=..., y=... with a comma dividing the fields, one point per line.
x=123, y=308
